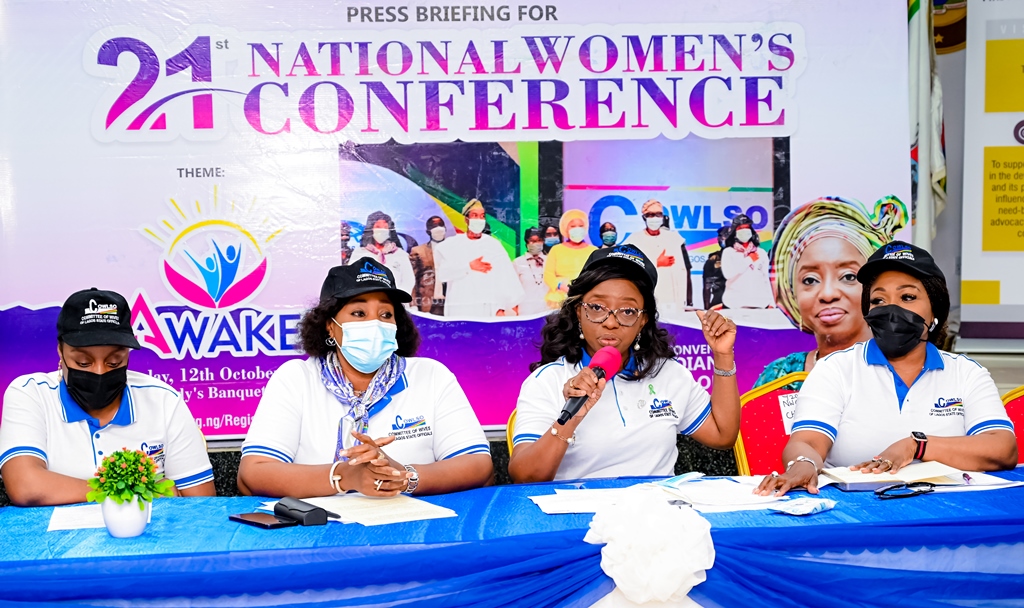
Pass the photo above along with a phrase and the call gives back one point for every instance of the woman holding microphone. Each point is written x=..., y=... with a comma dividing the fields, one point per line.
x=629, y=422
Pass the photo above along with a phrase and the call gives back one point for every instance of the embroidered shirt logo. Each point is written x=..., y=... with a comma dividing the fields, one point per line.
x=410, y=428
x=661, y=408
x=402, y=424
x=154, y=451
x=948, y=406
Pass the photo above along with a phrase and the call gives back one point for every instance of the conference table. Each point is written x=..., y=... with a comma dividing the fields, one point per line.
x=964, y=549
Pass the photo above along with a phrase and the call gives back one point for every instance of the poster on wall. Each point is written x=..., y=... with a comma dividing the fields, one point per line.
x=212, y=163
x=993, y=217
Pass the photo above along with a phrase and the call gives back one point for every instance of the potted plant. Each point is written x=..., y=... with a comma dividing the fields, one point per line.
x=125, y=484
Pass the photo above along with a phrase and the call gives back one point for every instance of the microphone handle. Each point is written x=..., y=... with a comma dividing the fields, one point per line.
x=573, y=404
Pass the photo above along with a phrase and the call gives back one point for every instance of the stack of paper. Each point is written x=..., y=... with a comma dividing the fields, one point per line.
x=704, y=495
x=359, y=509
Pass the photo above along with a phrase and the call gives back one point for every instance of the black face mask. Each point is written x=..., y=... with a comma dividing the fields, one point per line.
x=896, y=330
x=96, y=391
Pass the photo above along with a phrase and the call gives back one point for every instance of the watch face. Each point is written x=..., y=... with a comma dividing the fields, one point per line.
x=920, y=436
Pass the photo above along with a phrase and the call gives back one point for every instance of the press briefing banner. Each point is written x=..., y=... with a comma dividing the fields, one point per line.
x=211, y=161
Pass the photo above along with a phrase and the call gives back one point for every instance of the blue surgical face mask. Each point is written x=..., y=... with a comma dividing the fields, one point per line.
x=609, y=238
x=366, y=345
x=551, y=241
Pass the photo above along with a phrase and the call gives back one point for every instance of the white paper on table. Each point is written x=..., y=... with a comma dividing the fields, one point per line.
x=721, y=492
x=369, y=511
x=581, y=501
x=979, y=483
x=76, y=518
x=752, y=481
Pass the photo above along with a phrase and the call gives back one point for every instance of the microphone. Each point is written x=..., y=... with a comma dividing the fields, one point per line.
x=605, y=362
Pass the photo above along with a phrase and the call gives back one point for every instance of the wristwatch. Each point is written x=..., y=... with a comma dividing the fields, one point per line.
x=790, y=464
x=414, y=481
x=922, y=443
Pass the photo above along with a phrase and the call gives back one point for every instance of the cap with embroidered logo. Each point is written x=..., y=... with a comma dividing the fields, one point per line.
x=627, y=257
x=94, y=317
x=364, y=275
x=901, y=256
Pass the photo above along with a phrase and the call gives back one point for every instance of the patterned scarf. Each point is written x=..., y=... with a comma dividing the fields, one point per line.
x=357, y=409
x=382, y=251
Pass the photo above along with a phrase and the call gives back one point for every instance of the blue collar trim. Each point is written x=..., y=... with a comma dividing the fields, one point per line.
x=383, y=402
x=628, y=372
x=932, y=359
x=74, y=413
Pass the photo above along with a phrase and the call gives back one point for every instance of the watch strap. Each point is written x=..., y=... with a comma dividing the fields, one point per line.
x=922, y=445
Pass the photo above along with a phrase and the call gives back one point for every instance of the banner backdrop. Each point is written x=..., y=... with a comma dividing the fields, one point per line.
x=212, y=162
x=993, y=194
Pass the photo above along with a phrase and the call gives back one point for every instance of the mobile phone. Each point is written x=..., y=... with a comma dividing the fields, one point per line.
x=262, y=520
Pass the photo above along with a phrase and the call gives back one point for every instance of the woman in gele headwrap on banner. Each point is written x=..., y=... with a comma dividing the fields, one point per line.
x=667, y=249
x=565, y=260
x=815, y=258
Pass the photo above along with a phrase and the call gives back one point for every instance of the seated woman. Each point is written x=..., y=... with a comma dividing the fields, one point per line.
x=58, y=425
x=895, y=399
x=815, y=259
x=312, y=432
x=629, y=424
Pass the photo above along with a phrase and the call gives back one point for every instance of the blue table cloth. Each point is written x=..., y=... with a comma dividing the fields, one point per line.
x=966, y=548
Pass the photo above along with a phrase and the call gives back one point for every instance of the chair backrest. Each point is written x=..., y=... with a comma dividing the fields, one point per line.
x=1014, y=403
x=510, y=431
x=763, y=434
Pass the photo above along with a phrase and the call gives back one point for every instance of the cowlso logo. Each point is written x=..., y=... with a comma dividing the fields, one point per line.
x=214, y=260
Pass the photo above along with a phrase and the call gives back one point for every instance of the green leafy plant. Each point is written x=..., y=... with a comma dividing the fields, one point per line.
x=128, y=473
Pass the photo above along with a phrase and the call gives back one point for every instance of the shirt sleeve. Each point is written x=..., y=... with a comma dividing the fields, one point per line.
x=405, y=277
x=186, y=462
x=275, y=431
x=983, y=407
x=447, y=265
x=540, y=401
x=821, y=399
x=694, y=402
x=457, y=430
x=23, y=428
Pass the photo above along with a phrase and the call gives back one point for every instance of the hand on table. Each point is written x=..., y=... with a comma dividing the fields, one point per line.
x=368, y=464
x=894, y=458
x=801, y=475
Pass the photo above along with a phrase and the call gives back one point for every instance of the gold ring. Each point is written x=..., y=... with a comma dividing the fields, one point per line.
x=571, y=385
x=888, y=462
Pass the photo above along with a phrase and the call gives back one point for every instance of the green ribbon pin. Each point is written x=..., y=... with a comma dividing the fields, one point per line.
x=650, y=388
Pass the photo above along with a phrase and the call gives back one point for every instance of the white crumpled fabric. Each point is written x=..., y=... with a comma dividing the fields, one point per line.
x=654, y=551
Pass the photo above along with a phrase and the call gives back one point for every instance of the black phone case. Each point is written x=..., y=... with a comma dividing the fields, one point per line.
x=263, y=520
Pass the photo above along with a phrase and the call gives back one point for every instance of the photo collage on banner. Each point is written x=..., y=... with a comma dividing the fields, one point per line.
x=213, y=172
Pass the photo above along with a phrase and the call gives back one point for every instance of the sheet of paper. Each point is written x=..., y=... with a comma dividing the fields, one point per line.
x=755, y=480
x=909, y=473
x=579, y=501
x=355, y=508
x=76, y=518
x=719, y=493
x=979, y=482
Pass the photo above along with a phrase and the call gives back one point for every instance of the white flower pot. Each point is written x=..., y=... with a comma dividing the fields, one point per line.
x=125, y=520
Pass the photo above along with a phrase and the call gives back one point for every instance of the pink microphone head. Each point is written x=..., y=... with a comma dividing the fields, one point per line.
x=609, y=359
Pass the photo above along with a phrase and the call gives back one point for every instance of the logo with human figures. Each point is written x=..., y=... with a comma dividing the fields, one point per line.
x=212, y=258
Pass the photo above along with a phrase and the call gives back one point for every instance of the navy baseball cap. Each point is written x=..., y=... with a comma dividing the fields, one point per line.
x=901, y=256
x=627, y=257
x=94, y=317
x=364, y=275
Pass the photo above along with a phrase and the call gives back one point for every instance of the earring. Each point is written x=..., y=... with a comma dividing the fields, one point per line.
x=636, y=345
x=935, y=323
x=581, y=330
x=331, y=342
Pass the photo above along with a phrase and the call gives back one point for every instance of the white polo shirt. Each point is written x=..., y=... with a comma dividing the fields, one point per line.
x=856, y=399
x=630, y=431
x=41, y=419
x=426, y=410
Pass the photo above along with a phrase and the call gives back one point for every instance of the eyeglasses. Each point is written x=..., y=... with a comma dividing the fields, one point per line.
x=905, y=490
x=598, y=313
